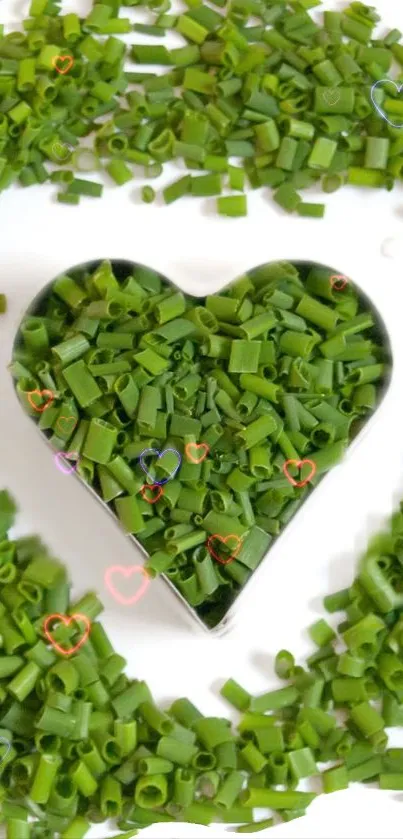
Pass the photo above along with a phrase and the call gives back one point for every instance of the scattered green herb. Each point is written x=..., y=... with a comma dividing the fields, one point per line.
x=257, y=90
x=89, y=744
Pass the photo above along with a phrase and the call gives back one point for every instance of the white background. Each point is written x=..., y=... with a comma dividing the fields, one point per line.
x=202, y=252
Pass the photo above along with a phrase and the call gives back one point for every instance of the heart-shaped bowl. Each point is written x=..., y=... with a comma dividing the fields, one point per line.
x=284, y=290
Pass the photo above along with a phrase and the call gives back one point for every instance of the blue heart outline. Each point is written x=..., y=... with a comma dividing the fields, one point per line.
x=378, y=108
x=155, y=451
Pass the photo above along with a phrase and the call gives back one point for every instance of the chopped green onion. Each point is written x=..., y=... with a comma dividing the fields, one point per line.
x=277, y=369
x=284, y=94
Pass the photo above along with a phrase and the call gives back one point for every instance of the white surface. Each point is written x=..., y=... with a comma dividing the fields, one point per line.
x=392, y=248
x=201, y=252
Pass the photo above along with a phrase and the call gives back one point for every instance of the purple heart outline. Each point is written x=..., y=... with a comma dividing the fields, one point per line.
x=160, y=454
x=377, y=107
x=7, y=743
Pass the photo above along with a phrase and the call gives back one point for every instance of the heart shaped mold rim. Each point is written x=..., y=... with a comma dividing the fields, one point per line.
x=122, y=268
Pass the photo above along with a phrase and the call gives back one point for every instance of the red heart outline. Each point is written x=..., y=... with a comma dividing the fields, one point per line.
x=152, y=486
x=67, y=420
x=66, y=620
x=224, y=539
x=299, y=463
x=57, y=58
x=127, y=572
x=196, y=446
x=334, y=279
x=40, y=393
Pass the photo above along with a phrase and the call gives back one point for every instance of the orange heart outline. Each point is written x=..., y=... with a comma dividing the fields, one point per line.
x=224, y=539
x=196, y=446
x=299, y=463
x=40, y=393
x=334, y=279
x=58, y=58
x=67, y=420
x=152, y=486
x=66, y=620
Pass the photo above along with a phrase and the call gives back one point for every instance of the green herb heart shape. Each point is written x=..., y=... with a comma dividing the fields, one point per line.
x=279, y=369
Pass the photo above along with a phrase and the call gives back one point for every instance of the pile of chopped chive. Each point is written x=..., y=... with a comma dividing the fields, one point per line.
x=279, y=366
x=259, y=94
x=87, y=744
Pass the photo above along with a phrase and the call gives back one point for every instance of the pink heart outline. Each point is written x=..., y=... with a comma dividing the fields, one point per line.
x=66, y=455
x=127, y=572
x=378, y=108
